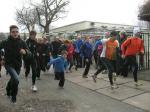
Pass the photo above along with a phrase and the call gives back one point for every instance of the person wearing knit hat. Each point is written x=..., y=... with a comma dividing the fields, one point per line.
x=136, y=31
x=130, y=49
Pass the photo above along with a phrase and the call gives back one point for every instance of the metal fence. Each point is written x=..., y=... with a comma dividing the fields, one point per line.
x=146, y=38
x=146, y=58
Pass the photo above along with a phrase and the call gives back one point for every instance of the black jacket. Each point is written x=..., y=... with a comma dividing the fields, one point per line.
x=12, y=48
x=55, y=47
x=32, y=45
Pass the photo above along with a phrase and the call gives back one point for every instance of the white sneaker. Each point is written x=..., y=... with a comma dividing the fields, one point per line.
x=114, y=76
x=34, y=88
x=59, y=87
x=138, y=84
x=114, y=86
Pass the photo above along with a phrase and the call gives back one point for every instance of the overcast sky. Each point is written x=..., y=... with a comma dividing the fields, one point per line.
x=109, y=11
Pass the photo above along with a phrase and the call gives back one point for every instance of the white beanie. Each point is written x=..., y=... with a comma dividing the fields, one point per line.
x=136, y=30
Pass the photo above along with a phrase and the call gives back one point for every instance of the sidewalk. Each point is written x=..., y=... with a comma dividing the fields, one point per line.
x=126, y=93
x=144, y=75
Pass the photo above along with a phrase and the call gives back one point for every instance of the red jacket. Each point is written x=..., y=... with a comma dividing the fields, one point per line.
x=70, y=51
x=132, y=46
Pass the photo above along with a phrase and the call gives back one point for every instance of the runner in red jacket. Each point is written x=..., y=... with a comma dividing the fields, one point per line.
x=132, y=47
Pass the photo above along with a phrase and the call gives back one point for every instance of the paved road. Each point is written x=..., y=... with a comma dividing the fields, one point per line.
x=75, y=97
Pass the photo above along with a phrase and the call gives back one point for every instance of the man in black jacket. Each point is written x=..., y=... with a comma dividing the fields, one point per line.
x=55, y=47
x=32, y=61
x=14, y=48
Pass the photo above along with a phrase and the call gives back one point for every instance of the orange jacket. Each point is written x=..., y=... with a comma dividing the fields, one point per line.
x=111, y=49
x=132, y=46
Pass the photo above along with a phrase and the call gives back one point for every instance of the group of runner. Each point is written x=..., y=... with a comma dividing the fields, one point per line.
x=39, y=54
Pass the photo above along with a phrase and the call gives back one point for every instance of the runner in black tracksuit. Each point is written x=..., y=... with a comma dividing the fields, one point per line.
x=32, y=61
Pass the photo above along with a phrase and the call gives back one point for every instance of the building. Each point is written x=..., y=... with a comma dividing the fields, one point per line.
x=89, y=27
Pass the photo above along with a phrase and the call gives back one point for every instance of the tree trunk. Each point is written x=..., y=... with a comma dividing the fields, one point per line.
x=46, y=31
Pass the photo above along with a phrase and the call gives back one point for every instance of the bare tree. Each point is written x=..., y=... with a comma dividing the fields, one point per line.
x=49, y=11
x=27, y=17
x=144, y=11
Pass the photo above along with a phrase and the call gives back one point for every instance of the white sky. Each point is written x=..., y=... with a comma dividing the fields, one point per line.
x=109, y=11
